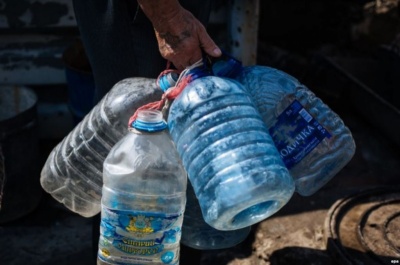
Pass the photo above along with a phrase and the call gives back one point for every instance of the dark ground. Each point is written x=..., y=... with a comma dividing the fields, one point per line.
x=295, y=235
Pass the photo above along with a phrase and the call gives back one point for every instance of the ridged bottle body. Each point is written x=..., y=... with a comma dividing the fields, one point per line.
x=232, y=163
x=313, y=141
x=72, y=173
x=143, y=201
x=196, y=233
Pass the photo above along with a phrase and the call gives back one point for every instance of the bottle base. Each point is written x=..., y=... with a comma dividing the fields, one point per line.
x=102, y=262
x=213, y=239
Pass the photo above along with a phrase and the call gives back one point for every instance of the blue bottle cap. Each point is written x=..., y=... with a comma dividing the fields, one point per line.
x=168, y=80
x=198, y=72
x=226, y=66
x=149, y=121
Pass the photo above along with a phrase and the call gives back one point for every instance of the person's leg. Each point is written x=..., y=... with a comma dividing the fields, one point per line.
x=118, y=40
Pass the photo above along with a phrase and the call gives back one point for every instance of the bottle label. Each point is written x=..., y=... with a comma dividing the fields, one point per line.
x=296, y=133
x=132, y=237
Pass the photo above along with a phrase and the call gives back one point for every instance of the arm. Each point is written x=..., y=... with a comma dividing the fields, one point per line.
x=181, y=37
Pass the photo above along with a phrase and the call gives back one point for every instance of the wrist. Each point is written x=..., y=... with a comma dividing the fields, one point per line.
x=160, y=12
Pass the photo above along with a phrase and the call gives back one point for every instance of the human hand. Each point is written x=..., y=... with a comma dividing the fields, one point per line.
x=181, y=37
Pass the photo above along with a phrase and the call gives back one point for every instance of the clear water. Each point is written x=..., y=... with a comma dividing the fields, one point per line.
x=209, y=123
x=144, y=197
x=274, y=92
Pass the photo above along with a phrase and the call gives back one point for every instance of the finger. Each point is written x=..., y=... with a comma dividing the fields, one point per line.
x=184, y=62
x=179, y=66
x=197, y=56
x=208, y=44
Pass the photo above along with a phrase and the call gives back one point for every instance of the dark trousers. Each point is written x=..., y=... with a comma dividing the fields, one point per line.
x=120, y=43
x=119, y=39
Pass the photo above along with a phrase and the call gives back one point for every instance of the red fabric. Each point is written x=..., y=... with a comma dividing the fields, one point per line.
x=171, y=93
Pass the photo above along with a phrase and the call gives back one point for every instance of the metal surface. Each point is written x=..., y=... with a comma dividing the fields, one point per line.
x=364, y=228
x=20, y=149
x=243, y=28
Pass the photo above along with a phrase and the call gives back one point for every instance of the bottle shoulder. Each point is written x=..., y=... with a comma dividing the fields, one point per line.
x=153, y=154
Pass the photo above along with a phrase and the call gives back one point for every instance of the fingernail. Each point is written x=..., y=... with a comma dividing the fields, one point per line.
x=217, y=52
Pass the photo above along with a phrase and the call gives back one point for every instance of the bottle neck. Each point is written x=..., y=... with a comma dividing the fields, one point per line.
x=227, y=67
x=149, y=121
x=168, y=80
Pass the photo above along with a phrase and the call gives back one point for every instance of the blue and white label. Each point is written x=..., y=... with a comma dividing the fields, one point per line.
x=130, y=237
x=296, y=133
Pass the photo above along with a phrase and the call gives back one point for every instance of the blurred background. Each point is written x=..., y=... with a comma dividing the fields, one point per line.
x=346, y=51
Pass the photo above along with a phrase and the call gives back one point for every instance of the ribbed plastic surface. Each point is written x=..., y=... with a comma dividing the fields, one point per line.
x=231, y=160
x=312, y=139
x=72, y=173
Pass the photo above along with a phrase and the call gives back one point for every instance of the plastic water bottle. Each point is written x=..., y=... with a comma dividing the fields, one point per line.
x=312, y=140
x=232, y=163
x=144, y=196
x=72, y=173
x=196, y=233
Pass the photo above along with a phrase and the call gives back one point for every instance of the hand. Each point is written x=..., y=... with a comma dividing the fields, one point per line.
x=181, y=37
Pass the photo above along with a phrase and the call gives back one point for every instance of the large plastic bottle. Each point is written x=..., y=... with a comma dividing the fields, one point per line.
x=196, y=233
x=312, y=140
x=144, y=196
x=72, y=173
x=232, y=163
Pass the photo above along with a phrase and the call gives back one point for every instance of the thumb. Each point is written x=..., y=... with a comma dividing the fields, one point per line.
x=208, y=45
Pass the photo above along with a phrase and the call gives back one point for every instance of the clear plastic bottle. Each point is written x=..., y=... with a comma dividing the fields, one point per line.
x=232, y=163
x=144, y=196
x=196, y=233
x=313, y=141
x=72, y=173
